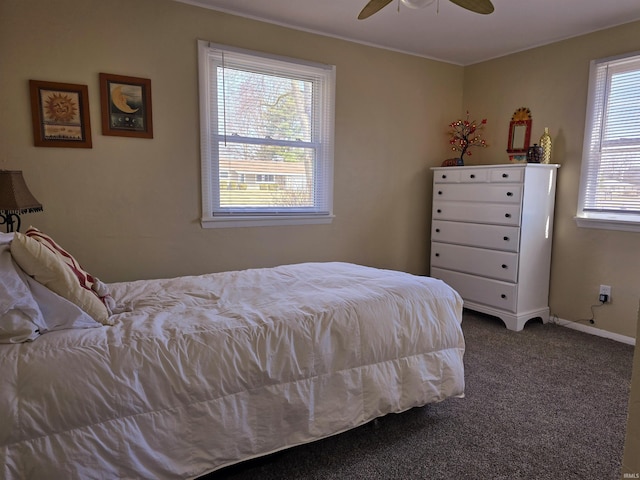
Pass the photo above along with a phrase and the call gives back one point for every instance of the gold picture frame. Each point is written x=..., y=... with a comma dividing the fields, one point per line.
x=126, y=106
x=60, y=114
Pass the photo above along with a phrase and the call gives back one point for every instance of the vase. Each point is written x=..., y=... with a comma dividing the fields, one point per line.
x=546, y=143
x=534, y=154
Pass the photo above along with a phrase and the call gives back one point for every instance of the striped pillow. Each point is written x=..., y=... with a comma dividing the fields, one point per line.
x=48, y=269
x=85, y=279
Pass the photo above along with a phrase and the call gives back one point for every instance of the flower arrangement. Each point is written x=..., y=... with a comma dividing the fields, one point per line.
x=465, y=134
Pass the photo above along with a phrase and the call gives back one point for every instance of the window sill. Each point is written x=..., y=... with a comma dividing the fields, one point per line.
x=262, y=221
x=613, y=222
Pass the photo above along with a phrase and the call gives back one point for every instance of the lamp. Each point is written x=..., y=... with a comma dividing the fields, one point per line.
x=15, y=199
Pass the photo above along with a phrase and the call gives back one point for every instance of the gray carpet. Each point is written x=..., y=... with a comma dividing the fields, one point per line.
x=545, y=403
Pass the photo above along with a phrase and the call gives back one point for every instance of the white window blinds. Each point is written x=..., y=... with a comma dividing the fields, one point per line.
x=610, y=183
x=267, y=134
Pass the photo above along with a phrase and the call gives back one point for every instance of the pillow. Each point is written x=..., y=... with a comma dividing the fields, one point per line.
x=20, y=317
x=85, y=279
x=48, y=268
x=58, y=313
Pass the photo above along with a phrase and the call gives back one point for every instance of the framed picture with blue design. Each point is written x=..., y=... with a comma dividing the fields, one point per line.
x=126, y=106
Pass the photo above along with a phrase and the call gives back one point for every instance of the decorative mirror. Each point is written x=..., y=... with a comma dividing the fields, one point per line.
x=519, y=134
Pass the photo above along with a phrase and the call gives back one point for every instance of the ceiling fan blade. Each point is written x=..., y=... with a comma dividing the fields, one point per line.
x=478, y=6
x=372, y=7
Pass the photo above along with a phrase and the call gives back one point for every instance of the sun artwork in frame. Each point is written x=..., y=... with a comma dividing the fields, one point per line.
x=60, y=114
x=126, y=106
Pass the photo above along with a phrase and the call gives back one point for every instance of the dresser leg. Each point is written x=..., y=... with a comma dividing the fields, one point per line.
x=512, y=322
x=517, y=322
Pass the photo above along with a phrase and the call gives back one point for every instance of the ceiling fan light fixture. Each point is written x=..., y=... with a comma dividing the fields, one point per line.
x=417, y=3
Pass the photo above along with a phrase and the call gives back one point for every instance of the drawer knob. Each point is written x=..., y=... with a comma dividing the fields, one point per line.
x=506, y=239
x=444, y=176
x=503, y=296
x=509, y=194
x=504, y=266
x=439, y=211
x=472, y=176
x=505, y=175
x=437, y=230
x=437, y=254
x=507, y=215
x=439, y=192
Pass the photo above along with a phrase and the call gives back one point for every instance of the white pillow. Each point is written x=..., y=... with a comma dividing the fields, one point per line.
x=58, y=313
x=50, y=270
x=20, y=317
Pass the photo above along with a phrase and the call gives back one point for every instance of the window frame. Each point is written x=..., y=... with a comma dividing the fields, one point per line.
x=323, y=137
x=598, y=94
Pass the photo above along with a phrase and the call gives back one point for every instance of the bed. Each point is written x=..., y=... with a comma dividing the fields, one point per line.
x=192, y=374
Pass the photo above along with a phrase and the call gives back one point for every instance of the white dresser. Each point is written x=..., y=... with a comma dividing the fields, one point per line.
x=491, y=237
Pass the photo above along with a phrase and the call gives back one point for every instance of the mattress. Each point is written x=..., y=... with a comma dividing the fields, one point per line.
x=202, y=372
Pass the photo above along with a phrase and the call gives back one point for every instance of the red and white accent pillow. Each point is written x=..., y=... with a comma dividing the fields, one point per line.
x=58, y=270
x=85, y=279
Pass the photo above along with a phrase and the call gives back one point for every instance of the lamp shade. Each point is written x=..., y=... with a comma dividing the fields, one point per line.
x=15, y=196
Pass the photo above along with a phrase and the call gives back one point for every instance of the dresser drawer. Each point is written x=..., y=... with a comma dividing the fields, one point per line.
x=489, y=292
x=474, y=175
x=477, y=261
x=464, y=175
x=479, y=192
x=512, y=175
x=446, y=176
x=496, y=237
x=494, y=213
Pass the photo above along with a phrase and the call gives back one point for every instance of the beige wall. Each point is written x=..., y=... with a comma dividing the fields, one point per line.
x=130, y=208
x=552, y=81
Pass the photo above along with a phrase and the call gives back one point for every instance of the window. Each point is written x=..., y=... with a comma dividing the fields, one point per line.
x=610, y=180
x=266, y=138
x=265, y=178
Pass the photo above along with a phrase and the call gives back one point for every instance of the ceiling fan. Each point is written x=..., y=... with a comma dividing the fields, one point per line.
x=478, y=6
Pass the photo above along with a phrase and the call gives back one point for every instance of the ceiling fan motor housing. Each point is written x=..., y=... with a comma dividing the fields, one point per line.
x=417, y=3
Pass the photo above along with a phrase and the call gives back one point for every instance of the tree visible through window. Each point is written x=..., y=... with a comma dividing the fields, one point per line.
x=267, y=130
x=610, y=180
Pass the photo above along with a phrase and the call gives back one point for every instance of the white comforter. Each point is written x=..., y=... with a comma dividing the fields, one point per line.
x=203, y=372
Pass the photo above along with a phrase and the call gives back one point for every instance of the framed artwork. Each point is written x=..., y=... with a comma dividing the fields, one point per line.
x=519, y=134
x=126, y=106
x=60, y=114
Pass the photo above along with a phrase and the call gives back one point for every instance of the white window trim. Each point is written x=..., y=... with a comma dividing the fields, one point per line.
x=264, y=221
x=208, y=220
x=586, y=219
x=630, y=223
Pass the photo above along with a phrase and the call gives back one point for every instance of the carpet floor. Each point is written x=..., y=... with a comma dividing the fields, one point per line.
x=548, y=402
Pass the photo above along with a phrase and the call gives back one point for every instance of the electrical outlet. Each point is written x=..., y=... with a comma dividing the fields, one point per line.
x=605, y=294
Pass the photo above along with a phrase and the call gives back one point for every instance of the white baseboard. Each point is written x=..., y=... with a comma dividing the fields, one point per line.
x=594, y=331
